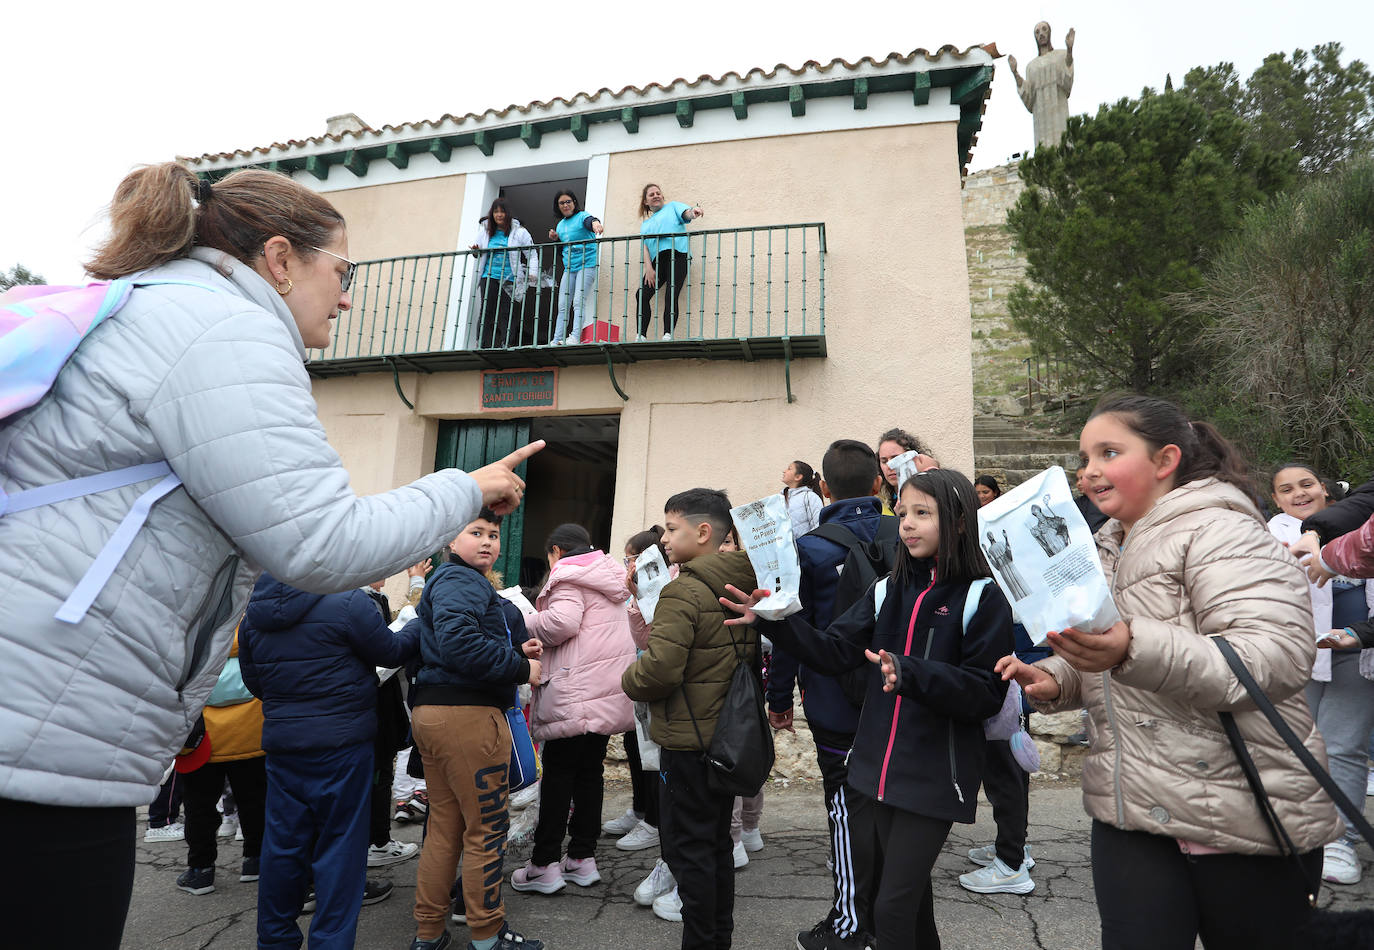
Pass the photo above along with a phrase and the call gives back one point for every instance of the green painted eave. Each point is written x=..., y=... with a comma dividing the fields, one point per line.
x=968, y=87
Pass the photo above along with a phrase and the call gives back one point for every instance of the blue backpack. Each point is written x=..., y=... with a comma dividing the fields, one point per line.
x=40, y=329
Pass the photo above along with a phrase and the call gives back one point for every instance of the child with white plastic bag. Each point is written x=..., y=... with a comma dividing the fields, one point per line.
x=765, y=531
x=1044, y=557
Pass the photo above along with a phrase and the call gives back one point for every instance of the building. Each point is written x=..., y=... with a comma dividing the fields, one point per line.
x=827, y=294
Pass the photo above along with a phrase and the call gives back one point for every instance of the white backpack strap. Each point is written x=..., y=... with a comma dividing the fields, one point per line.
x=103, y=567
x=975, y=594
x=879, y=594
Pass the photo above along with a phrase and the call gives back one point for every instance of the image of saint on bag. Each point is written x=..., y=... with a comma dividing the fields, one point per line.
x=1049, y=530
x=1000, y=557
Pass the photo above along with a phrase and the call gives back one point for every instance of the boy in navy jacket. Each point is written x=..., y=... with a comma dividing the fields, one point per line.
x=312, y=659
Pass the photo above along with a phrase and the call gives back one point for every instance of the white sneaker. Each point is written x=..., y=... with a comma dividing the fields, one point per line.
x=525, y=797
x=669, y=906
x=572, y=340
x=393, y=852
x=997, y=878
x=659, y=882
x=741, y=856
x=1340, y=864
x=623, y=825
x=176, y=831
x=667, y=336
x=985, y=855
x=1369, y=783
x=639, y=338
x=751, y=839
x=643, y=835
x=227, y=826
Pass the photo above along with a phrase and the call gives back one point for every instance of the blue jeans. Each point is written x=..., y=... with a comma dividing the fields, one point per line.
x=1344, y=711
x=316, y=823
x=578, y=288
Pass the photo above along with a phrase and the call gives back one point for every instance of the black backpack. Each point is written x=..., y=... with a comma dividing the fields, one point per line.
x=864, y=563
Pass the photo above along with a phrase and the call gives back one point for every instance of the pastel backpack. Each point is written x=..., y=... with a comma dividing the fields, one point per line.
x=40, y=328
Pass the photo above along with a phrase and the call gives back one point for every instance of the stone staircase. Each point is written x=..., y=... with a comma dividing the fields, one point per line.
x=1012, y=452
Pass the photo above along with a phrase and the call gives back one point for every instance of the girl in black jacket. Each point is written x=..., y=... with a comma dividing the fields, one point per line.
x=919, y=746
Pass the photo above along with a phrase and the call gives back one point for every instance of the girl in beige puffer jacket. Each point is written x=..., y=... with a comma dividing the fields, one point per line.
x=1179, y=848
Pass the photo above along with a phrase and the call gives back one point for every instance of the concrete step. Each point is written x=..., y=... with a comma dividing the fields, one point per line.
x=1026, y=445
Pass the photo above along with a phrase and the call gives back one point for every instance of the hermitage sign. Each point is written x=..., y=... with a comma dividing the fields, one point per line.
x=519, y=389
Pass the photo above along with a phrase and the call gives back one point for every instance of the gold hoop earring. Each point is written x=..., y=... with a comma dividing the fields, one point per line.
x=288, y=287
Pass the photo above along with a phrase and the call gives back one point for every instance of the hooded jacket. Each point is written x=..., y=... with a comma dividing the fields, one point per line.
x=582, y=621
x=467, y=658
x=214, y=382
x=921, y=748
x=1200, y=563
x=691, y=653
x=312, y=659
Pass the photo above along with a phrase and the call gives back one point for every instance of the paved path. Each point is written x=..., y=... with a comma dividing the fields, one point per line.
x=784, y=889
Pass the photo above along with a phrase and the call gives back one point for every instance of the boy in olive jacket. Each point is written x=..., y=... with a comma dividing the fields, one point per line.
x=684, y=675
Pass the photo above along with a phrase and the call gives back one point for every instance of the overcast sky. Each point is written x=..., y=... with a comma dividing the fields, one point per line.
x=92, y=91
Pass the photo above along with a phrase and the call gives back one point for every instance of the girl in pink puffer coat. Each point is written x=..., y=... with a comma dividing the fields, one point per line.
x=581, y=619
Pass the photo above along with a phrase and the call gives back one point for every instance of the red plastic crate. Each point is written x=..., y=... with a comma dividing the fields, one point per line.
x=599, y=331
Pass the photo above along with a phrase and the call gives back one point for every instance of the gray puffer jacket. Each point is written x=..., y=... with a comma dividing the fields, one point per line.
x=1200, y=563
x=214, y=383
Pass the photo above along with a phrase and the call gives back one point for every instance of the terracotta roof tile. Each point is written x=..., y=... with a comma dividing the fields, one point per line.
x=605, y=98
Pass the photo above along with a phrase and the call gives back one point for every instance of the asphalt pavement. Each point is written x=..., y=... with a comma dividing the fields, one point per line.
x=784, y=889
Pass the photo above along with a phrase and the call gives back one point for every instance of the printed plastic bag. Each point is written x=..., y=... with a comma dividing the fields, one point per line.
x=765, y=530
x=517, y=597
x=651, y=576
x=1044, y=557
x=648, y=748
x=904, y=465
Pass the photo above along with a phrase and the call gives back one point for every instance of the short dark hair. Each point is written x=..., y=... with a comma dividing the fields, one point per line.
x=850, y=468
x=486, y=514
x=959, y=557
x=643, y=540
x=707, y=504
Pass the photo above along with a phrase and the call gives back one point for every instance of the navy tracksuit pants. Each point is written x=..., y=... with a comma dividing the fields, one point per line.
x=316, y=828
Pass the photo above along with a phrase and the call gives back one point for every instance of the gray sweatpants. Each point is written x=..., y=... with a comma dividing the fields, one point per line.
x=1344, y=710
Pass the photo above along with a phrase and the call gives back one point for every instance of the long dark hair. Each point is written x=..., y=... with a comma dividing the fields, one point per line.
x=808, y=476
x=1204, y=452
x=987, y=481
x=959, y=558
x=571, y=539
x=499, y=205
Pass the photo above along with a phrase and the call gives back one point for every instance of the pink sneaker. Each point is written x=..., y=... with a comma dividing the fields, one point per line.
x=581, y=871
x=540, y=878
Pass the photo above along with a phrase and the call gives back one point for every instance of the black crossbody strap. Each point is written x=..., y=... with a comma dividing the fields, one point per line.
x=1348, y=809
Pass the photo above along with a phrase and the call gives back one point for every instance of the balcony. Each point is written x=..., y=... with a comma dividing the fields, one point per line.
x=749, y=294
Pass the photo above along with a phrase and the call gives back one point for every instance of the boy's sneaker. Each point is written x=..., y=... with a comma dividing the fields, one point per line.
x=525, y=797
x=741, y=856
x=1340, y=864
x=308, y=907
x=659, y=882
x=642, y=835
x=823, y=937
x=249, y=871
x=997, y=878
x=507, y=939
x=984, y=856
x=197, y=880
x=413, y=809
x=752, y=839
x=227, y=826
x=176, y=831
x=374, y=892
x=238, y=832
x=393, y=852
x=668, y=906
x=540, y=878
x=440, y=942
x=458, y=913
x=626, y=823
x=581, y=871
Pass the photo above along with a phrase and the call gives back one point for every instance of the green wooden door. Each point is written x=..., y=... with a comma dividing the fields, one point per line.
x=470, y=444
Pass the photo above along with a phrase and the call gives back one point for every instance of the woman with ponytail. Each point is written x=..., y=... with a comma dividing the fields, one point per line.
x=582, y=621
x=200, y=371
x=802, y=492
x=1180, y=849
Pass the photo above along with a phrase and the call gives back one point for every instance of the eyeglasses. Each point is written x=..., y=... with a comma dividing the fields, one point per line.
x=346, y=278
x=566, y=201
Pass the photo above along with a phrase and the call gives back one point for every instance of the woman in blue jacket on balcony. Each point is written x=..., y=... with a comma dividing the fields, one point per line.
x=665, y=256
x=504, y=275
x=578, y=284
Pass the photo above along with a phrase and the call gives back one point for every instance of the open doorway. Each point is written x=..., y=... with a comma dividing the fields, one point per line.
x=572, y=480
x=532, y=205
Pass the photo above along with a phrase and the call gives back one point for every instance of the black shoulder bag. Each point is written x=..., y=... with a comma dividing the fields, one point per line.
x=741, y=753
x=1348, y=922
